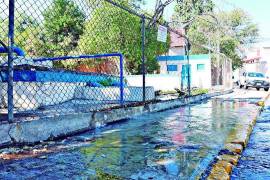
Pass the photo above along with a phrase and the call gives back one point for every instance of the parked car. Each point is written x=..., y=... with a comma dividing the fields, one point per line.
x=255, y=80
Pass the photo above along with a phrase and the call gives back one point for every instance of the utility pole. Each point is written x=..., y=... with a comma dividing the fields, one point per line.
x=188, y=48
x=218, y=57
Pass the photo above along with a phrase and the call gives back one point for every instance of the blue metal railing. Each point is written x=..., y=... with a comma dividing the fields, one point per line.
x=16, y=50
x=121, y=57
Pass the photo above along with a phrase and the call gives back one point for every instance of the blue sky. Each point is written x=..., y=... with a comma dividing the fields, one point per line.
x=259, y=10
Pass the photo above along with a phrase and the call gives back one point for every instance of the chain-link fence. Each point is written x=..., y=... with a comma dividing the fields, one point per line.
x=60, y=57
x=69, y=56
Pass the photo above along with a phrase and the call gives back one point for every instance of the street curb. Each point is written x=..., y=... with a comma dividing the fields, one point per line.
x=227, y=158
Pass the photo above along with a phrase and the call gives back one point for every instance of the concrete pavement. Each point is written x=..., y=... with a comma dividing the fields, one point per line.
x=228, y=158
x=255, y=161
x=245, y=94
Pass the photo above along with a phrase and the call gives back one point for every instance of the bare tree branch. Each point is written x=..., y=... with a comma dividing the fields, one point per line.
x=159, y=11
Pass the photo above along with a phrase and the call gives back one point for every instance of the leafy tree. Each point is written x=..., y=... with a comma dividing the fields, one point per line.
x=4, y=30
x=26, y=30
x=112, y=29
x=187, y=11
x=63, y=25
x=233, y=31
x=26, y=33
x=240, y=26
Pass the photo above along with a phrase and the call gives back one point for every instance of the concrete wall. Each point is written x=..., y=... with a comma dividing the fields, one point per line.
x=113, y=93
x=163, y=67
x=158, y=81
x=201, y=78
x=30, y=96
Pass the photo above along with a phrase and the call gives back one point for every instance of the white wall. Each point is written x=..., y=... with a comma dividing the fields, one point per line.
x=163, y=67
x=113, y=93
x=176, y=51
x=158, y=81
x=260, y=50
x=265, y=60
x=201, y=79
x=30, y=95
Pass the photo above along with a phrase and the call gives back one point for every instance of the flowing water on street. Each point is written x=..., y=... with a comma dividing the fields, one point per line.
x=173, y=144
x=255, y=160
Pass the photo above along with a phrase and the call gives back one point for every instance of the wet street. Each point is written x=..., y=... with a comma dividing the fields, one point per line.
x=245, y=94
x=255, y=161
x=173, y=144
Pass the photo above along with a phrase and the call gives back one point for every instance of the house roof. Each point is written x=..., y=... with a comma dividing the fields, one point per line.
x=252, y=59
x=176, y=40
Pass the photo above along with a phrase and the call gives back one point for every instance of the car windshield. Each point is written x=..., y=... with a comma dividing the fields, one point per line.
x=255, y=75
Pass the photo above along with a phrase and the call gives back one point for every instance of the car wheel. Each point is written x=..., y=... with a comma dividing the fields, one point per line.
x=266, y=89
x=258, y=89
x=246, y=87
x=240, y=86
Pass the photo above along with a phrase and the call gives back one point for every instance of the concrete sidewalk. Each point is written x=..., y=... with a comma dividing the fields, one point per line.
x=245, y=94
x=255, y=161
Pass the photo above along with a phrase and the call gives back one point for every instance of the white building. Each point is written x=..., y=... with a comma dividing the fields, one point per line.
x=175, y=64
x=258, y=59
x=200, y=69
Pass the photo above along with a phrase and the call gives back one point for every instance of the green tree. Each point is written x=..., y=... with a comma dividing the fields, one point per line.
x=63, y=25
x=187, y=11
x=26, y=32
x=231, y=31
x=112, y=29
x=4, y=30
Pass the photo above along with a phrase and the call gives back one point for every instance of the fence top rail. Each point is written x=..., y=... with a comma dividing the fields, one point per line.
x=90, y=56
x=126, y=8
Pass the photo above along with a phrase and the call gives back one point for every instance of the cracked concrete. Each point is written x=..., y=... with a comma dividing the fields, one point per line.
x=5, y=138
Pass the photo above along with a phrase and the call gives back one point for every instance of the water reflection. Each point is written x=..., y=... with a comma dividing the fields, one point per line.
x=174, y=144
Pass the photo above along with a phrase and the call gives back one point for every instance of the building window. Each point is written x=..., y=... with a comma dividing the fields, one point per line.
x=200, y=67
x=171, y=67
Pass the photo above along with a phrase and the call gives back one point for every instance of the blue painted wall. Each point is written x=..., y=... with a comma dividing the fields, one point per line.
x=183, y=58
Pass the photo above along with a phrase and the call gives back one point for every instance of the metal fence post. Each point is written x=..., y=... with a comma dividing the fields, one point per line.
x=10, y=59
x=143, y=55
x=121, y=79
